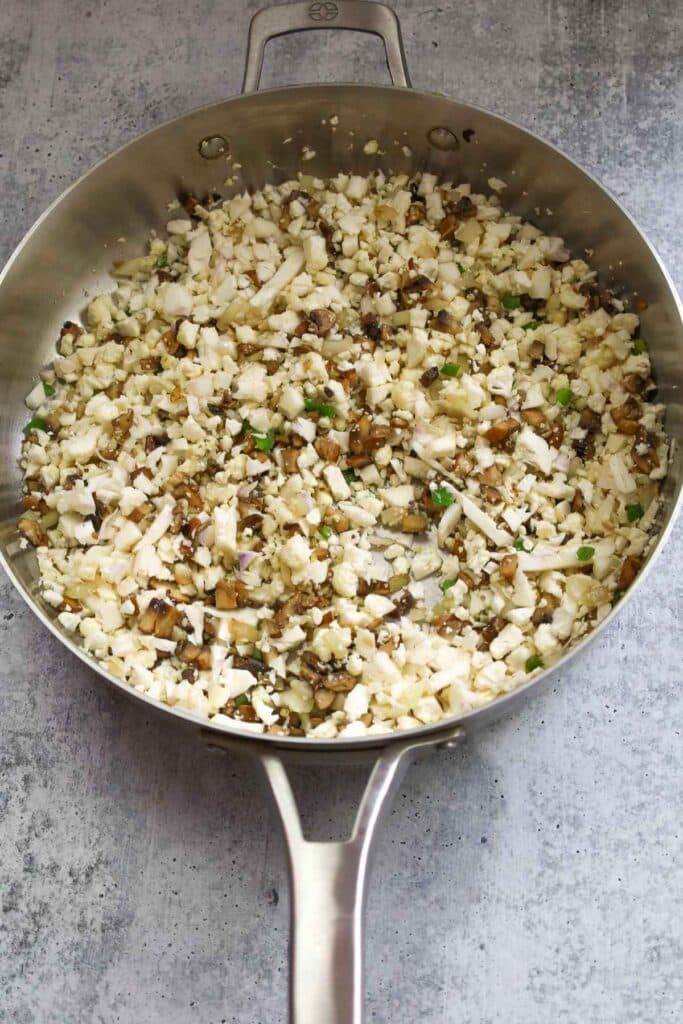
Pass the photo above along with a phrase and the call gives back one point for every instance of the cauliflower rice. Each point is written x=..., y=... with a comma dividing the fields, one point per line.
x=341, y=457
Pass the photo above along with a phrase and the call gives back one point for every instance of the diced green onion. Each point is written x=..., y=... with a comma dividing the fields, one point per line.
x=242, y=700
x=265, y=442
x=324, y=408
x=450, y=370
x=162, y=261
x=442, y=497
x=531, y=325
x=447, y=584
x=460, y=268
x=639, y=346
x=535, y=661
x=634, y=512
x=512, y=301
x=585, y=554
x=36, y=423
x=519, y=544
x=48, y=389
x=258, y=654
x=325, y=532
x=564, y=396
x=350, y=475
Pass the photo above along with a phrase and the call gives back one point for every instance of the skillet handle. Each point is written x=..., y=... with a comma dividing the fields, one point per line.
x=327, y=889
x=359, y=15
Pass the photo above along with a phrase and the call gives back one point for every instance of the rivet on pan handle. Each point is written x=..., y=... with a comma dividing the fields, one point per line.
x=328, y=879
x=358, y=15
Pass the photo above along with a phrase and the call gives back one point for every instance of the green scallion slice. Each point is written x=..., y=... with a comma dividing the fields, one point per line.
x=36, y=423
x=634, y=512
x=265, y=442
x=442, y=497
x=324, y=408
x=450, y=370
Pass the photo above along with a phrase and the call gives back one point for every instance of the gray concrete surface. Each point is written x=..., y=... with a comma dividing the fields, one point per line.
x=529, y=879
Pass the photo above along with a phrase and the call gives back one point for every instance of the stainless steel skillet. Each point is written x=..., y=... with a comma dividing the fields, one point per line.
x=69, y=252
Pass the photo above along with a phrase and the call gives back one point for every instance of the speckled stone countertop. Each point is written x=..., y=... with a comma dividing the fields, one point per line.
x=528, y=878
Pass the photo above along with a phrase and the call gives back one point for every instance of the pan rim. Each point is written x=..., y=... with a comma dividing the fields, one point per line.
x=500, y=705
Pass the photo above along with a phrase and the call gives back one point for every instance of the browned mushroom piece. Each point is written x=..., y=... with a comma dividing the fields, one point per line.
x=324, y=699
x=357, y=461
x=358, y=435
x=578, y=501
x=413, y=523
x=535, y=418
x=169, y=339
x=121, y=426
x=634, y=383
x=32, y=531
x=490, y=475
x=536, y=351
x=158, y=618
x=590, y=420
x=543, y=612
x=554, y=435
x=491, y=495
x=402, y=605
x=340, y=682
x=485, y=336
x=508, y=567
x=115, y=390
x=253, y=665
x=140, y=511
x=336, y=519
x=429, y=377
x=464, y=208
x=231, y=594
x=312, y=669
x=416, y=213
x=627, y=415
x=290, y=458
x=448, y=624
x=188, y=652
x=445, y=322
x=378, y=435
x=628, y=572
x=501, y=430
x=319, y=322
x=491, y=631
x=644, y=451
x=463, y=464
x=32, y=503
x=327, y=449
x=419, y=285
x=447, y=226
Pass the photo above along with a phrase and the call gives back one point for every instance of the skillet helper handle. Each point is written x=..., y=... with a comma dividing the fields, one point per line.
x=327, y=889
x=358, y=15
